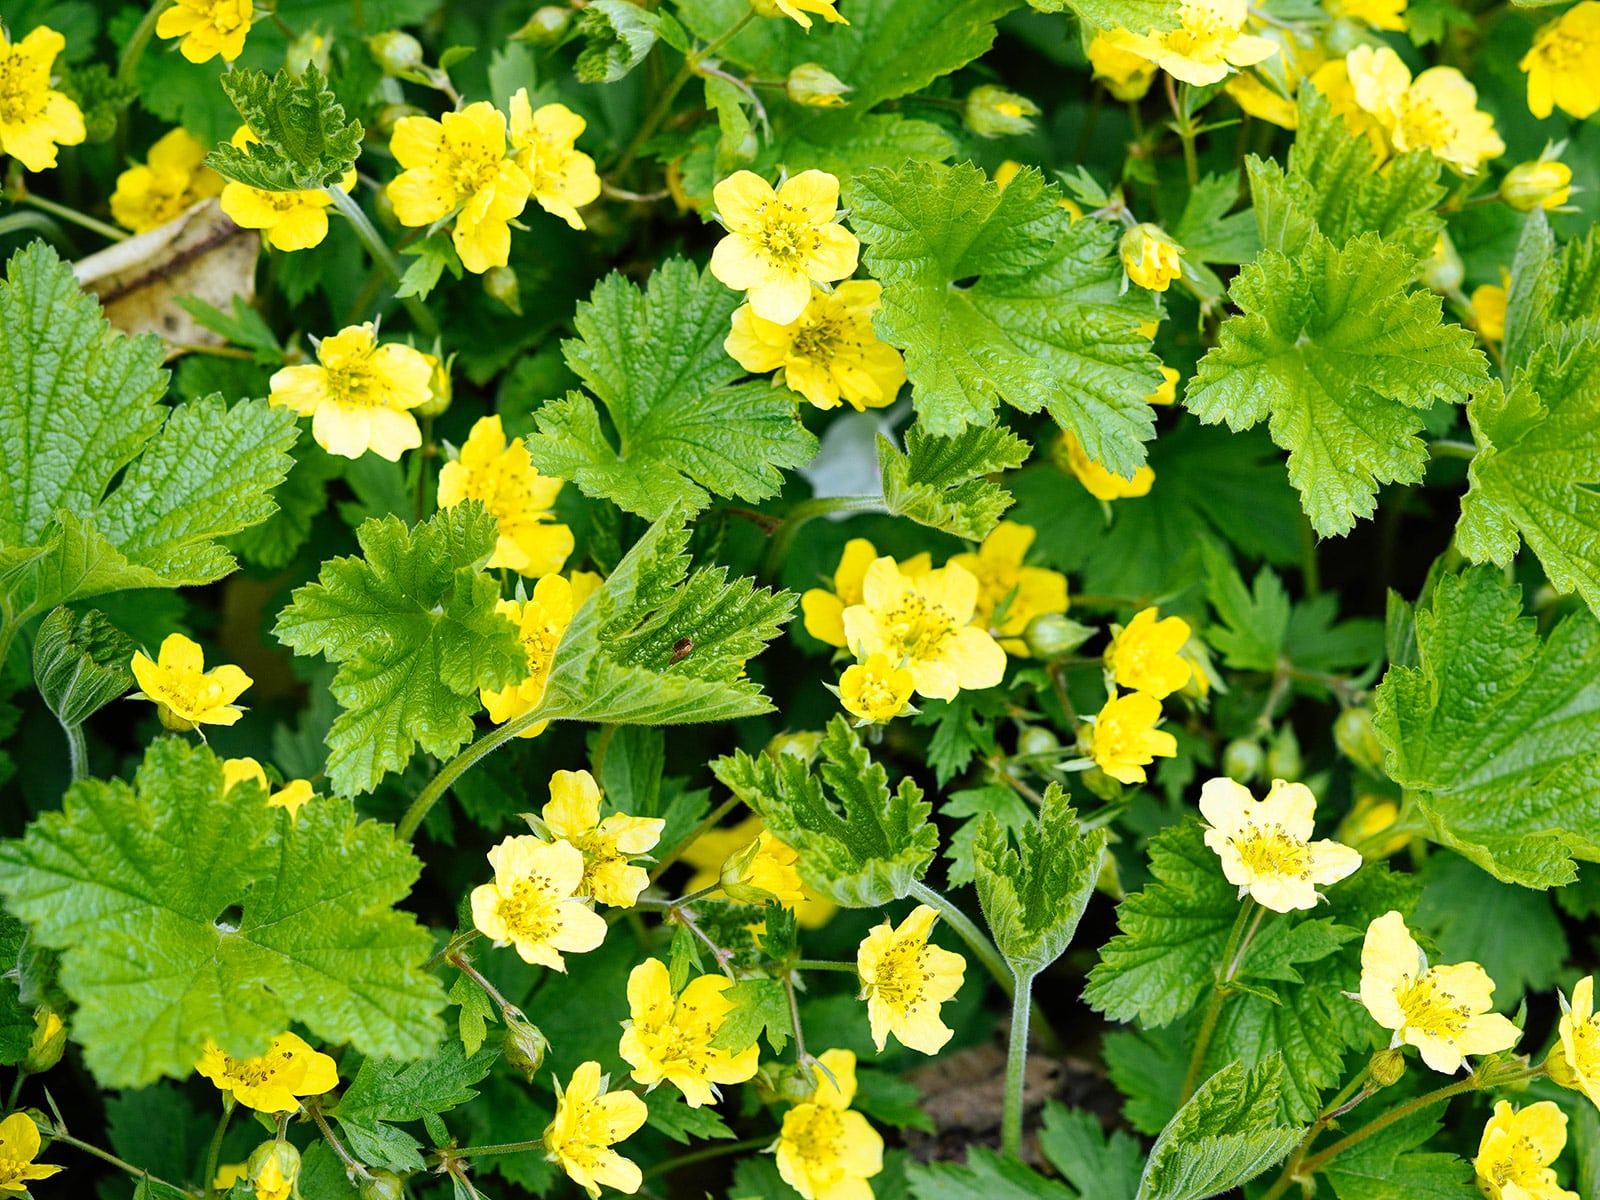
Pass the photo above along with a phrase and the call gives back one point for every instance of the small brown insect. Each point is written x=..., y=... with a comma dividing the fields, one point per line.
x=680, y=650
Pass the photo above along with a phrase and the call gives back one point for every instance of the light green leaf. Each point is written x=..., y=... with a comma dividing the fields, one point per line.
x=1494, y=732
x=16, y=1019
x=306, y=142
x=1044, y=323
x=1537, y=465
x=80, y=663
x=1033, y=896
x=413, y=627
x=1344, y=356
x=653, y=647
x=82, y=411
x=1553, y=289
x=939, y=482
x=617, y=37
x=1228, y=1133
x=290, y=920
x=1513, y=933
x=1100, y=1166
x=1254, y=623
x=866, y=857
x=1207, y=232
x=759, y=1006
x=987, y=1176
x=685, y=429
x=1141, y=16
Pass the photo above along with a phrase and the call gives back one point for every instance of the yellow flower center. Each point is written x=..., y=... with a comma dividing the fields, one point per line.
x=531, y=910
x=355, y=386
x=920, y=630
x=821, y=340
x=1423, y=123
x=819, y=1140
x=471, y=168
x=876, y=695
x=783, y=234
x=254, y=1072
x=901, y=976
x=23, y=88
x=1272, y=850
x=1430, y=1009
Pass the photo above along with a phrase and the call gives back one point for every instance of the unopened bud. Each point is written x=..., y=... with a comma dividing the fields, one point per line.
x=814, y=85
x=738, y=877
x=1283, y=756
x=396, y=51
x=1387, y=1066
x=389, y=114
x=802, y=745
x=1357, y=740
x=1243, y=759
x=308, y=50
x=1055, y=635
x=272, y=1168
x=523, y=1046
x=546, y=26
x=500, y=283
x=1037, y=741
x=439, y=388
x=1101, y=784
x=1532, y=185
x=1151, y=257
x=1443, y=271
x=382, y=1185
x=992, y=111
x=49, y=1039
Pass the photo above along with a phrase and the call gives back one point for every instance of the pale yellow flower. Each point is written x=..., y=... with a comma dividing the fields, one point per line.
x=1543, y=184
x=1266, y=847
x=1207, y=46
x=590, y=1120
x=34, y=117
x=1259, y=100
x=1123, y=738
x=534, y=904
x=1563, y=66
x=668, y=1038
x=875, y=691
x=1147, y=654
x=573, y=815
x=208, y=27
x=1437, y=111
x=185, y=694
x=1011, y=594
x=503, y=477
x=827, y=1150
x=358, y=394
x=1445, y=1012
x=904, y=980
x=294, y=220
x=173, y=177
x=1068, y=454
x=1516, y=1150
x=540, y=622
x=1332, y=79
x=561, y=177
x=781, y=242
x=762, y=871
x=1575, y=1060
x=274, y=1081
x=824, y=610
x=829, y=353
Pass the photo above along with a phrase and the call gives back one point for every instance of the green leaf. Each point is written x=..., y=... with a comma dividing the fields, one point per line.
x=1033, y=896
x=16, y=1019
x=305, y=140
x=1538, y=461
x=1100, y=1166
x=413, y=627
x=430, y=258
x=1493, y=732
x=654, y=647
x=617, y=37
x=1515, y=934
x=1044, y=322
x=868, y=856
x=1228, y=1133
x=685, y=429
x=1384, y=1167
x=1553, y=289
x=290, y=920
x=1138, y=15
x=386, y=1092
x=1254, y=622
x=476, y=1010
x=1009, y=810
x=987, y=1176
x=1345, y=357
x=1205, y=229
x=759, y=1006
x=85, y=412
x=80, y=663
x=668, y=1114
x=939, y=482
x=300, y=498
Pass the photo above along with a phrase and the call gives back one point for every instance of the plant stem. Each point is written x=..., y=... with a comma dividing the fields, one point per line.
x=351, y=210
x=77, y=751
x=807, y=510
x=105, y=1156
x=353, y=1167
x=1185, y=127
x=1446, y=448
x=460, y=764
x=1232, y=957
x=716, y=814
x=821, y=964
x=707, y=1152
x=135, y=48
x=801, y=1058
x=969, y=933
x=1016, y=1068
x=499, y=1148
x=73, y=216
x=16, y=1091
x=214, y=1151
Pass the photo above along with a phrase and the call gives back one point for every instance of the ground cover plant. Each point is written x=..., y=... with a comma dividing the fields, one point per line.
x=933, y=599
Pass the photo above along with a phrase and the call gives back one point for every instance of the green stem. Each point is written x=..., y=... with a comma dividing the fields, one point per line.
x=214, y=1151
x=105, y=1156
x=461, y=763
x=1232, y=957
x=499, y=1148
x=1016, y=1068
x=706, y=1153
x=16, y=1091
x=969, y=933
x=135, y=48
x=808, y=510
x=801, y=1058
x=73, y=216
x=351, y=210
x=353, y=1167
x=822, y=964
x=1446, y=448
x=716, y=814
x=77, y=751
x=1185, y=127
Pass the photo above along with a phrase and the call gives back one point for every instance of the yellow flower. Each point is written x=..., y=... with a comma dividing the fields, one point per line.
x=827, y=1150
x=360, y=394
x=1127, y=75
x=762, y=871
x=169, y=181
x=668, y=1038
x=1368, y=818
x=573, y=815
x=1437, y=111
x=291, y=795
x=1124, y=737
x=711, y=853
x=184, y=692
x=1207, y=45
x=1575, y=1060
x=924, y=622
x=1380, y=14
x=519, y=498
x=1151, y=258
x=1167, y=393
x=830, y=352
x=1100, y=483
x=875, y=691
x=19, y=1146
x=1489, y=311
x=34, y=117
x=904, y=980
x=796, y=10
x=534, y=902
x=295, y=220
x=1259, y=100
x=561, y=177
x=824, y=610
x=1332, y=79
x=1564, y=65
x=1147, y=655
x=590, y=1120
x=540, y=622
x=273, y=1170
x=780, y=242
x=1443, y=1011
x=1516, y=1151
x=1010, y=594
x=458, y=164
x=227, y=1175
x=274, y=1081
x=1542, y=184
x=208, y=27
x=1266, y=847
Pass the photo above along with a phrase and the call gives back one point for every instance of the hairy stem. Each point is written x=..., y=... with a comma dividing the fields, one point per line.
x=351, y=210
x=105, y=1156
x=73, y=216
x=214, y=1150
x=807, y=510
x=1016, y=1068
x=135, y=48
x=461, y=763
x=1232, y=958
x=708, y=1152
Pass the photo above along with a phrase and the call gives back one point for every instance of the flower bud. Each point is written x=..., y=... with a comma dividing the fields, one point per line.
x=802, y=745
x=439, y=388
x=1357, y=740
x=396, y=51
x=814, y=85
x=523, y=1046
x=272, y=1169
x=766, y=8
x=1387, y=1066
x=500, y=283
x=1150, y=256
x=1243, y=759
x=49, y=1039
x=1055, y=635
x=382, y=1185
x=1283, y=756
x=992, y=111
x=310, y=49
x=1560, y=1068
x=1102, y=785
x=1037, y=740
x=389, y=114
x=1443, y=271
x=738, y=876
x=546, y=27
x=1532, y=185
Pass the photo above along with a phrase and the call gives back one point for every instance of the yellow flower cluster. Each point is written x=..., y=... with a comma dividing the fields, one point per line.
x=504, y=479
x=667, y=1038
x=173, y=177
x=1148, y=657
x=208, y=27
x=1209, y=43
